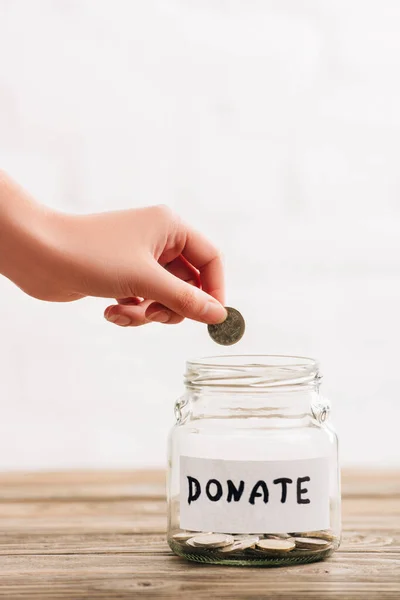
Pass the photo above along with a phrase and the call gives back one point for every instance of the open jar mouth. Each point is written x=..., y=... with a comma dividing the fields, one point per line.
x=251, y=371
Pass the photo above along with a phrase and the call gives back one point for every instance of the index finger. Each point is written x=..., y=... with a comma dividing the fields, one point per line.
x=203, y=255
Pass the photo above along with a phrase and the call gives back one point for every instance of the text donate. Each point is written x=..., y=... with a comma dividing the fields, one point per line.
x=239, y=491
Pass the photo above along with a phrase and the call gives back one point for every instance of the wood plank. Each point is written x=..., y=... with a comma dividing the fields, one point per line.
x=21, y=479
x=370, y=482
x=338, y=567
x=87, y=543
x=157, y=577
x=90, y=485
x=149, y=516
x=128, y=589
x=134, y=543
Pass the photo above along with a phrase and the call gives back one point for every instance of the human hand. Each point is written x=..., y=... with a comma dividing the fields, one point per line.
x=147, y=259
x=136, y=257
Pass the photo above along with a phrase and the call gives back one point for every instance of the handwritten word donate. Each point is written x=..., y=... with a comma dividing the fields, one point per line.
x=241, y=491
x=254, y=496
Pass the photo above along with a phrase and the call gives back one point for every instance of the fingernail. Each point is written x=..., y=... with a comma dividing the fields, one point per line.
x=161, y=316
x=121, y=320
x=214, y=312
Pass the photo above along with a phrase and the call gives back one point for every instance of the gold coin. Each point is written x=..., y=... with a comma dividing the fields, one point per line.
x=212, y=540
x=191, y=544
x=323, y=534
x=274, y=545
x=243, y=536
x=239, y=545
x=308, y=543
x=183, y=536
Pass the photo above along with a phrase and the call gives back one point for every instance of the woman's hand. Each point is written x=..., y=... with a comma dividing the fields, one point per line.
x=148, y=259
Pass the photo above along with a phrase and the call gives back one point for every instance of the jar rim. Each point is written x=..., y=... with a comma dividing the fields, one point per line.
x=251, y=371
x=224, y=361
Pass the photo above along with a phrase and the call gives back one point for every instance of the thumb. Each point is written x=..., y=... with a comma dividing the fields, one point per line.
x=181, y=297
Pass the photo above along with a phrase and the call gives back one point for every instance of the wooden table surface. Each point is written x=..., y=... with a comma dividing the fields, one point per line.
x=102, y=535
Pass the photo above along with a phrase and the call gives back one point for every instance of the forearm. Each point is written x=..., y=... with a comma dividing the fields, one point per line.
x=25, y=236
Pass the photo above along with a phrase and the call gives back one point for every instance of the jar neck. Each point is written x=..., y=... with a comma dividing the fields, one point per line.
x=267, y=387
x=272, y=404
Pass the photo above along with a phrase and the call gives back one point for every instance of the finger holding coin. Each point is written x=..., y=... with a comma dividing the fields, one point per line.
x=205, y=257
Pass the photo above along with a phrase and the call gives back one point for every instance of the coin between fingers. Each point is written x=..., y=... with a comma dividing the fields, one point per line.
x=230, y=331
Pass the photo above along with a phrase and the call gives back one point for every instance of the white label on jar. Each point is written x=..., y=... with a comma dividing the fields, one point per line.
x=230, y=496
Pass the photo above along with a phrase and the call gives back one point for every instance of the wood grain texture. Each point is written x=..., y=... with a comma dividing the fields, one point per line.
x=101, y=535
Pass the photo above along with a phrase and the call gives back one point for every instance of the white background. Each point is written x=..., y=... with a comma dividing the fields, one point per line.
x=274, y=127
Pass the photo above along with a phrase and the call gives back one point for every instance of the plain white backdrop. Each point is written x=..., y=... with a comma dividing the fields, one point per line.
x=274, y=127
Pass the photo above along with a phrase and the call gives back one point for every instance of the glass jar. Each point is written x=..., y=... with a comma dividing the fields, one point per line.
x=253, y=475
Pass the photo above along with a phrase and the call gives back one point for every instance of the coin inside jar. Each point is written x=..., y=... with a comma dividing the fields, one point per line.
x=274, y=545
x=323, y=534
x=229, y=331
x=213, y=540
x=183, y=536
x=239, y=545
x=311, y=543
x=243, y=536
x=191, y=544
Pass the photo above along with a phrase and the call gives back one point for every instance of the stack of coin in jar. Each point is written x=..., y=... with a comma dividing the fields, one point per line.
x=274, y=547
